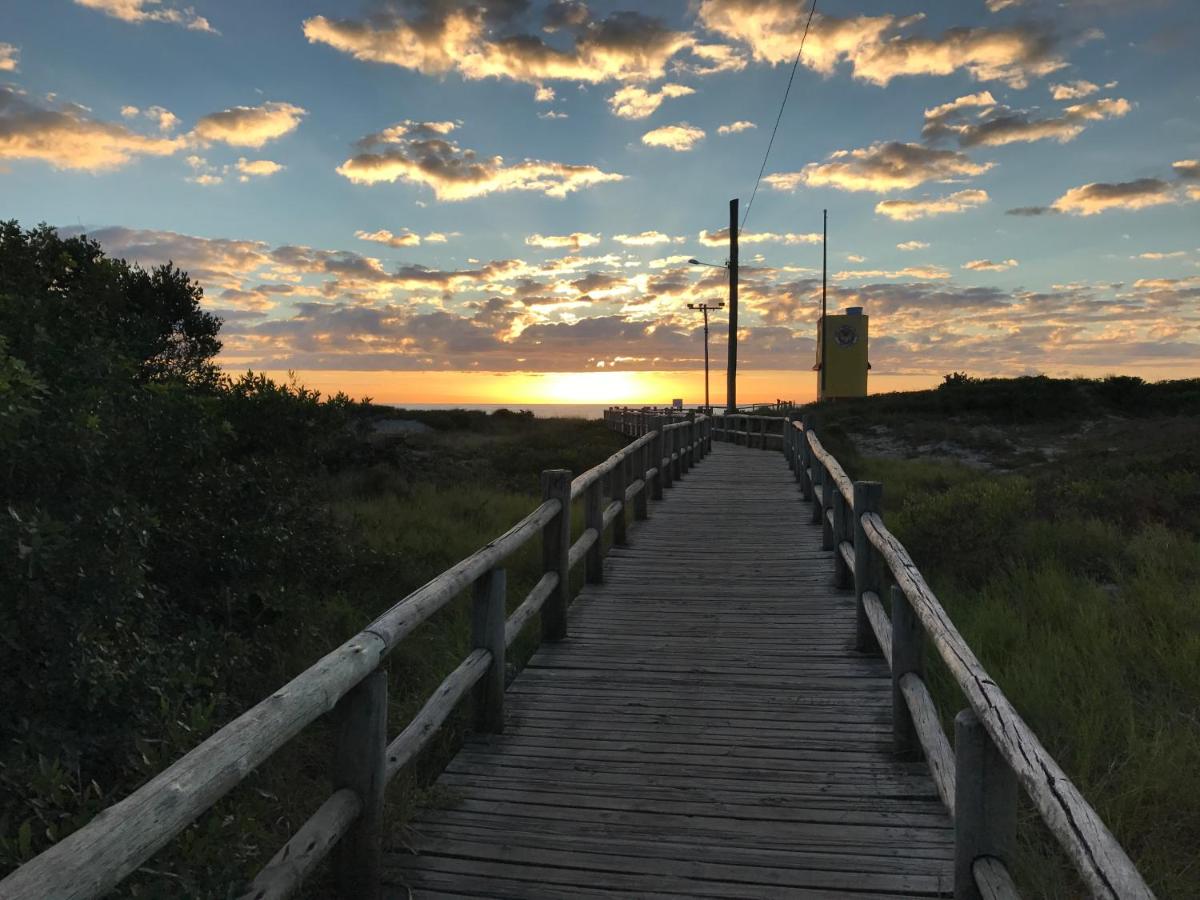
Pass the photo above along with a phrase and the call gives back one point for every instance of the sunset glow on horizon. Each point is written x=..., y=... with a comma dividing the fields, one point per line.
x=450, y=201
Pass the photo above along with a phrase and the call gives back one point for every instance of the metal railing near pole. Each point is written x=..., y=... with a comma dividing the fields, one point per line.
x=350, y=683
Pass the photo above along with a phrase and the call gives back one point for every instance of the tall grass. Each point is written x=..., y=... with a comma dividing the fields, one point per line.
x=1091, y=627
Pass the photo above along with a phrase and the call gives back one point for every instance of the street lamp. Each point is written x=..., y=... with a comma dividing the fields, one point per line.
x=704, y=308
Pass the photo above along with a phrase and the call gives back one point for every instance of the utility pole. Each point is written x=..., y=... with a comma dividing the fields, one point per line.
x=731, y=370
x=704, y=308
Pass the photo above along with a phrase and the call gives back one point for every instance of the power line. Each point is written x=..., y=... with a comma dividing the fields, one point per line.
x=791, y=78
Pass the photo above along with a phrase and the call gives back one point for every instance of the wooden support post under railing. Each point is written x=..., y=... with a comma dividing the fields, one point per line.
x=842, y=514
x=360, y=764
x=677, y=452
x=487, y=632
x=556, y=550
x=593, y=517
x=685, y=450
x=818, y=508
x=619, y=482
x=907, y=650
x=828, y=489
x=641, y=462
x=985, y=804
x=665, y=466
x=806, y=482
x=868, y=498
x=656, y=455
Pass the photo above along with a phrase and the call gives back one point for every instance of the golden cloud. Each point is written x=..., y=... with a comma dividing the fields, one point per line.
x=260, y=168
x=681, y=137
x=926, y=273
x=1000, y=125
x=138, y=11
x=986, y=265
x=882, y=167
x=625, y=46
x=908, y=210
x=638, y=103
x=1098, y=197
x=720, y=238
x=573, y=241
x=1073, y=90
x=646, y=239
x=414, y=156
x=735, y=127
x=68, y=138
x=250, y=126
x=913, y=245
x=876, y=48
x=9, y=56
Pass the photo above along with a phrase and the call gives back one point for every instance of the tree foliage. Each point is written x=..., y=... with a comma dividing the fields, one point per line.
x=157, y=525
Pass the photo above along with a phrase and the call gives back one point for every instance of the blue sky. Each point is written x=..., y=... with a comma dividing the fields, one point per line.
x=127, y=119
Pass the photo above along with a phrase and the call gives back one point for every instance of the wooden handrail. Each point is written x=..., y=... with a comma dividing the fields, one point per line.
x=95, y=858
x=1102, y=863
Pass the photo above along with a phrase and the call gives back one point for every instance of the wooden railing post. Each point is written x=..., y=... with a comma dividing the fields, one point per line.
x=487, y=632
x=619, y=482
x=985, y=803
x=841, y=530
x=640, y=462
x=685, y=450
x=360, y=764
x=806, y=484
x=656, y=455
x=677, y=452
x=556, y=550
x=829, y=489
x=665, y=466
x=708, y=434
x=868, y=498
x=818, y=505
x=907, y=641
x=593, y=517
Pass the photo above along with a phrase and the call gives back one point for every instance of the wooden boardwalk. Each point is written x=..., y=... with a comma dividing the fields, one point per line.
x=707, y=730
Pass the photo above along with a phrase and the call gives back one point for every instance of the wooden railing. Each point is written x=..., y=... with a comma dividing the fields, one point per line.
x=742, y=428
x=994, y=750
x=350, y=683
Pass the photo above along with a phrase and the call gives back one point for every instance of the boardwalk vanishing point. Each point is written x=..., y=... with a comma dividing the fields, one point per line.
x=728, y=709
x=707, y=729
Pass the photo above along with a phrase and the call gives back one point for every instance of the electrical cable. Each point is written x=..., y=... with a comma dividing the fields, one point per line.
x=779, y=117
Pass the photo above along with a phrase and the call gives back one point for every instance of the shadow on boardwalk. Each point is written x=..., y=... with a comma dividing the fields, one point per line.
x=707, y=730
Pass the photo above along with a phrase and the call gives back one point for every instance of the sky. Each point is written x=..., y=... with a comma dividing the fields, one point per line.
x=453, y=201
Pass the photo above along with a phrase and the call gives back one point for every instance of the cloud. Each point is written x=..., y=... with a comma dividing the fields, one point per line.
x=908, y=210
x=1187, y=168
x=913, y=245
x=544, y=94
x=735, y=127
x=878, y=48
x=720, y=238
x=162, y=117
x=1159, y=255
x=986, y=265
x=681, y=137
x=68, y=138
x=638, y=103
x=1094, y=198
x=139, y=11
x=9, y=57
x=573, y=241
x=881, y=168
x=260, y=168
x=443, y=37
x=250, y=126
x=926, y=273
x=998, y=125
x=646, y=239
x=982, y=98
x=552, y=114
x=405, y=238
x=420, y=153
x=1073, y=90
x=1030, y=211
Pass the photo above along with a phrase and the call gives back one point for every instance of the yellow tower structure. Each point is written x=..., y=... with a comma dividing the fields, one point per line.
x=842, y=355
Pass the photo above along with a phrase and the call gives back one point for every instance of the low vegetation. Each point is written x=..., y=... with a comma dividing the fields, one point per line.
x=176, y=543
x=1059, y=523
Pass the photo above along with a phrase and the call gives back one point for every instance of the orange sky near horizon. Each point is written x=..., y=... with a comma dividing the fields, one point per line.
x=614, y=388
